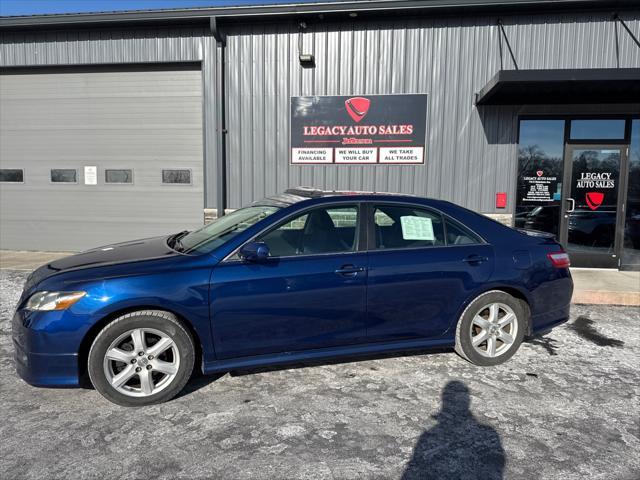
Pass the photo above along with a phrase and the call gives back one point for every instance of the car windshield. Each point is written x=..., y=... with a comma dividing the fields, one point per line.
x=220, y=231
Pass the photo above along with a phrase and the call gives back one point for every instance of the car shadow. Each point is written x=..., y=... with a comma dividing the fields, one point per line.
x=337, y=361
x=549, y=344
x=199, y=380
x=458, y=446
x=583, y=326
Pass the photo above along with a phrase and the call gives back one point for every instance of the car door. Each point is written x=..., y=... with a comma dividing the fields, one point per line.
x=310, y=293
x=422, y=267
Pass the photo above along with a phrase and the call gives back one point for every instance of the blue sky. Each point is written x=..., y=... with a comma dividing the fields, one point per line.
x=33, y=7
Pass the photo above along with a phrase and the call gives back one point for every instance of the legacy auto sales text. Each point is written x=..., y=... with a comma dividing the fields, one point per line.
x=341, y=130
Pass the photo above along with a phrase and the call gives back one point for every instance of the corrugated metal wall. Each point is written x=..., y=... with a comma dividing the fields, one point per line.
x=471, y=153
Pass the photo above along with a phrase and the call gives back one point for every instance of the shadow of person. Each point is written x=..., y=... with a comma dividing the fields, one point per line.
x=458, y=446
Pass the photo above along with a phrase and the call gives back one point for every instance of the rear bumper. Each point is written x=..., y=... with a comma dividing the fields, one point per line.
x=543, y=323
x=41, y=369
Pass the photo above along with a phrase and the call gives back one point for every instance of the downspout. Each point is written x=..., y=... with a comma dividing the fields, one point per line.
x=221, y=126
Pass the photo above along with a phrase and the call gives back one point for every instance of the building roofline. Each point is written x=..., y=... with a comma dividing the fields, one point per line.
x=331, y=9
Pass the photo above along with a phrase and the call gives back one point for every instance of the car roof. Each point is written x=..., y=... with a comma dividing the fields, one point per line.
x=300, y=194
x=311, y=192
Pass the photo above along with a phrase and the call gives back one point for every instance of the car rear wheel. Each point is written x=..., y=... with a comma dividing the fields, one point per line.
x=491, y=329
x=141, y=358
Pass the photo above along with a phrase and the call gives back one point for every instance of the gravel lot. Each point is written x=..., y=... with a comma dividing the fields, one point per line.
x=567, y=406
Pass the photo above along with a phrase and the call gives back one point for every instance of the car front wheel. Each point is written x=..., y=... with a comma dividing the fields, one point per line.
x=141, y=358
x=491, y=329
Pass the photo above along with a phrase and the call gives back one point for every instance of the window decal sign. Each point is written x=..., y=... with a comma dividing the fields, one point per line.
x=417, y=228
x=588, y=180
x=594, y=199
x=359, y=130
x=540, y=188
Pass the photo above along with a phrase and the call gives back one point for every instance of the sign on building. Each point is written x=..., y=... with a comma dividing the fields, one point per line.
x=90, y=175
x=358, y=130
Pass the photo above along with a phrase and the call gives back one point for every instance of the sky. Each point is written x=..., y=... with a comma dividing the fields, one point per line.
x=34, y=7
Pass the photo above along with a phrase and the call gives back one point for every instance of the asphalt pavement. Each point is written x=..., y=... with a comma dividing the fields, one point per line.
x=567, y=406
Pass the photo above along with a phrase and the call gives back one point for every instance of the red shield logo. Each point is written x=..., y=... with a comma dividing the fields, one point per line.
x=357, y=107
x=539, y=173
x=594, y=199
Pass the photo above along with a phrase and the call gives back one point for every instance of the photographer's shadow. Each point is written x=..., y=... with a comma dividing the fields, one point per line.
x=458, y=446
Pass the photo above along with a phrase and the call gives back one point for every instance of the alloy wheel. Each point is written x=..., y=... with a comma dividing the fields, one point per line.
x=141, y=362
x=493, y=330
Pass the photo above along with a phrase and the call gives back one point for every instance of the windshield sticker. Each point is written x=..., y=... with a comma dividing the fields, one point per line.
x=417, y=228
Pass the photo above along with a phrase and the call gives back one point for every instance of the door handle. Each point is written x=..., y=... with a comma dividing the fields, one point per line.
x=474, y=259
x=349, y=270
x=573, y=205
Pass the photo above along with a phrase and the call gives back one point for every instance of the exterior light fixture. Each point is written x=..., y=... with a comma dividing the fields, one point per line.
x=307, y=60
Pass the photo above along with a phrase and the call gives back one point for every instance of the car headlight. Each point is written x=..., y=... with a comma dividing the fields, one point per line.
x=47, y=301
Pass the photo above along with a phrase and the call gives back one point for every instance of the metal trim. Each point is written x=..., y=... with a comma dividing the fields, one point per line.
x=533, y=78
x=101, y=67
x=372, y=7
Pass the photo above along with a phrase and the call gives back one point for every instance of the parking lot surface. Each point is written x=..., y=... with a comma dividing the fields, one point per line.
x=567, y=406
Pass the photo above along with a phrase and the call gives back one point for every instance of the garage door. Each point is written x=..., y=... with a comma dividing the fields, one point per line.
x=89, y=158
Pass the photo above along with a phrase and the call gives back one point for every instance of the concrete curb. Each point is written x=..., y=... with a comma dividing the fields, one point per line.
x=601, y=297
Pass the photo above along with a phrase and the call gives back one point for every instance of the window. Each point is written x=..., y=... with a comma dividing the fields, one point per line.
x=598, y=129
x=180, y=177
x=225, y=228
x=459, y=235
x=382, y=219
x=407, y=227
x=12, y=175
x=631, y=243
x=322, y=230
x=540, y=171
x=64, y=175
x=295, y=224
x=118, y=175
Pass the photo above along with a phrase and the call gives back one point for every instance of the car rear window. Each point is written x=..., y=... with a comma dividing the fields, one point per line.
x=459, y=235
x=407, y=227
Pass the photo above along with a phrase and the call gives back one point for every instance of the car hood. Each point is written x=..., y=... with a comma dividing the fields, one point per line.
x=134, y=251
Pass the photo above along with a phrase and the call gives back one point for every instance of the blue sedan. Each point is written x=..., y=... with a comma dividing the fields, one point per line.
x=305, y=275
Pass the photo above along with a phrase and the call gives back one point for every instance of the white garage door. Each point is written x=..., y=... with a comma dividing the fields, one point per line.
x=89, y=158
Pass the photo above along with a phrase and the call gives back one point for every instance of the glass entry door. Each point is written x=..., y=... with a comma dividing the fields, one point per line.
x=591, y=205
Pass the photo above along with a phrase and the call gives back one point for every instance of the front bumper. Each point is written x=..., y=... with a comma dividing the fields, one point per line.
x=40, y=368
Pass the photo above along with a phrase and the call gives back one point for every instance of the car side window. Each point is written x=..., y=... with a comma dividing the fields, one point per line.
x=459, y=235
x=321, y=230
x=407, y=227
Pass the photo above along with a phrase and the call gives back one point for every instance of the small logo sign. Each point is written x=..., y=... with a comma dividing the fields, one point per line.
x=539, y=173
x=357, y=107
x=594, y=199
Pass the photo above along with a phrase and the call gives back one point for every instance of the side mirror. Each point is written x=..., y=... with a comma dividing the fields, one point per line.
x=254, y=252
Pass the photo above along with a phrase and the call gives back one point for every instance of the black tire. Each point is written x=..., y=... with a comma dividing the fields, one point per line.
x=463, y=341
x=156, y=320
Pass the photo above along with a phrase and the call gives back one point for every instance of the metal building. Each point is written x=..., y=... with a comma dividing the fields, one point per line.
x=123, y=125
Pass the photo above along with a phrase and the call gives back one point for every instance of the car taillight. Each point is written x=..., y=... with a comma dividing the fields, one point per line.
x=559, y=259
